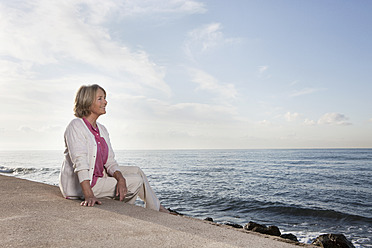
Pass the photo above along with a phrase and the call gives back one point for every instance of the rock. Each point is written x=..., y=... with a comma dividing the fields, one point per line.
x=209, y=219
x=174, y=212
x=273, y=230
x=289, y=236
x=255, y=227
x=233, y=225
x=333, y=241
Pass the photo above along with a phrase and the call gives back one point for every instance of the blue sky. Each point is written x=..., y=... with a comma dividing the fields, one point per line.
x=188, y=74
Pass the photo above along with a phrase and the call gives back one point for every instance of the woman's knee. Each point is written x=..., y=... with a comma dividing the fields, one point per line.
x=134, y=182
x=130, y=170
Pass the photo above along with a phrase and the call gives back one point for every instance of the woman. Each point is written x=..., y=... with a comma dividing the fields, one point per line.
x=89, y=170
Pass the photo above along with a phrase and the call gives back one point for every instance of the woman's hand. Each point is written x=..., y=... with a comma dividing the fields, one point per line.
x=121, y=186
x=121, y=189
x=90, y=201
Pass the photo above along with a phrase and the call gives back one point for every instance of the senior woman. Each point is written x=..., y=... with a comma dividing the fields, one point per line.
x=89, y=170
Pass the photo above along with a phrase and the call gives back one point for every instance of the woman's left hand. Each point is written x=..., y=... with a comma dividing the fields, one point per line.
x=121, y=189
x=121, y=186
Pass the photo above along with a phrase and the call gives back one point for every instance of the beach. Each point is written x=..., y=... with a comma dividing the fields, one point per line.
x=36, y=215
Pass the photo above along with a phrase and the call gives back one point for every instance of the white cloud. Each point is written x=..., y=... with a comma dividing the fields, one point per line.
x=138, y=107
x=265, y=123
x=305, y=91
x=208, y=83
x=262, y=69
x=209, y=36
x=308, y=122
x=206, y=38
x=11, y=70
x=195, y=112
x=46, y=129
x=142, y=108
x=290, y=136
x=66, y=33
x=334, y=119
x=263, y=72
x=135, y=7
x=291, y=116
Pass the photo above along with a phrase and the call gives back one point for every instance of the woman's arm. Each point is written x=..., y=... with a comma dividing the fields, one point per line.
x=78, y=148
x=90, y=199
x=121, y=186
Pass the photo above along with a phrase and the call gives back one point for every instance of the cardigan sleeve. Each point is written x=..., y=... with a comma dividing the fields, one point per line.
x=77, y=145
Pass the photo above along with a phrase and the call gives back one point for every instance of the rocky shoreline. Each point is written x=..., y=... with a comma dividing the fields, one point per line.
x=330, y=240
x=325, y=240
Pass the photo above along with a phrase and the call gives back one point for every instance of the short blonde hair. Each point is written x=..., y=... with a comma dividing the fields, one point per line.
x=84, y=99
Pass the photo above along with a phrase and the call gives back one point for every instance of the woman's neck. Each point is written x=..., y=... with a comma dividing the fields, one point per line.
x=92, y=120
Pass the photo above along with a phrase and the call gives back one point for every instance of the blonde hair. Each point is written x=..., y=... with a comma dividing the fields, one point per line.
x=84, y=99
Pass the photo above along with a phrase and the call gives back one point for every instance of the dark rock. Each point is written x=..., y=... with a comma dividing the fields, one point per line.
x=289, y=236
x=255, y=227
x=174, y=212
x=273, y=230
x=233, y=225
x=209, y=219
x=333, y=241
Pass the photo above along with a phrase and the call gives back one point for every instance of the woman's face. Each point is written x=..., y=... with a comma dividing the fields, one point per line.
x=99, y=104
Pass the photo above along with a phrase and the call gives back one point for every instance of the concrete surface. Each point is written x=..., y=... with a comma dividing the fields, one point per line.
x=36, y=215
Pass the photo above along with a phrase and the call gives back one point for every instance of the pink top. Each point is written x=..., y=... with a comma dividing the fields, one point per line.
x=102, y=153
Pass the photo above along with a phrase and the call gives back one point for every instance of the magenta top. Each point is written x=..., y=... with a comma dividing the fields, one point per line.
x=102, y=153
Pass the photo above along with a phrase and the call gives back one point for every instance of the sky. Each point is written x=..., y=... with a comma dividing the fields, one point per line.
x=189, y=74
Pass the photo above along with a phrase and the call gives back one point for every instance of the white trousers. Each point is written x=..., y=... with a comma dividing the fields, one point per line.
x=137, y=184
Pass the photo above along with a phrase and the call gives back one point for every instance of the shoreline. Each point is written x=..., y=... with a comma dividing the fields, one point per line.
x=35, y=214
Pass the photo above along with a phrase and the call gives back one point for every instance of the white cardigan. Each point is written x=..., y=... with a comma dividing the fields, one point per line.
x=80, y=158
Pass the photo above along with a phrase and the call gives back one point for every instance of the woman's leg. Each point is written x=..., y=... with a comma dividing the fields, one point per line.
x=137, y=184
x=143, y=190
x=106, y=187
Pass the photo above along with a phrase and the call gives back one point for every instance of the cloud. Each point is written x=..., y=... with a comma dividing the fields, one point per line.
x=209, y=36
x=308, y=122
x=52, y=35
x=291, y=116
x=202, y=112
x=334, y=119
x=305, y=91
x=208, y=83
x=263, y=72
x=26, y=129
x=134, y=8
x=265, y=123
x=142, y=108
x=206, y=38
x=262, y=69
x=43, y=129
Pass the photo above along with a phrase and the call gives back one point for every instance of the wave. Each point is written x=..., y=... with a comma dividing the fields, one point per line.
x=276, y=209
x=317, y=213
x=22, y=170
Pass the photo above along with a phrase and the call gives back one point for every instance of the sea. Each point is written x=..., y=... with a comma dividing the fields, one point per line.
x=306, y=192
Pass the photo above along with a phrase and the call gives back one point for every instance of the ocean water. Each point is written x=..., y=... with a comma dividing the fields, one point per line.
x=305, y=192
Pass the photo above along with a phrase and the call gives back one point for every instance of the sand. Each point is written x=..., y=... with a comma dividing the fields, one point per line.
x=36, y=215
